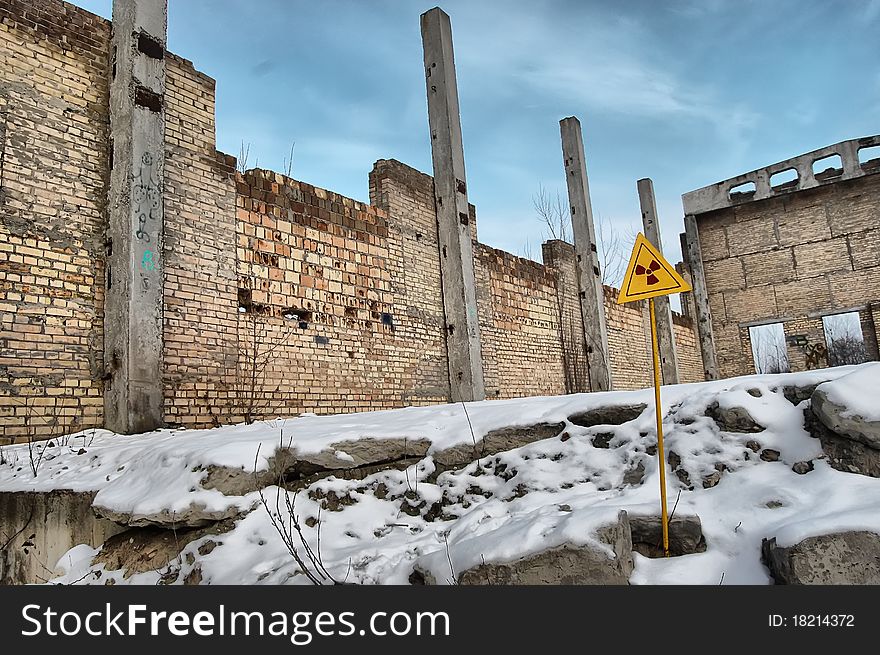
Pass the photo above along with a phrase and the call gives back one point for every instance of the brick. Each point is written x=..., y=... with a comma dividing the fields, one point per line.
x=751, y=236
x=814, y=259
x=259, y=240
x=769, y=267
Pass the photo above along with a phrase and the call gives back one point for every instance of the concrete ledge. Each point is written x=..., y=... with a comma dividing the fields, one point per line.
x=37, y=528
x=718, y=196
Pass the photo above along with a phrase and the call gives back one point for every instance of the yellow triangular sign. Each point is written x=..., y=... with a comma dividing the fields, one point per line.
x=649, y=274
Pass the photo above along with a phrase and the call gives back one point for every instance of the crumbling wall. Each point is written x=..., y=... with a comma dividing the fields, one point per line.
x=792, y=258
x=629, y=340
x=278, y=297
x=54, y=169
x=337, y=303
x=200, y=309
x=522, y=355
x=560, y=256
x=687, y=348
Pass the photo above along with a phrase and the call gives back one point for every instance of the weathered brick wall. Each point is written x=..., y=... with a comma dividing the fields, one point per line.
x=316, y=264
x=629, y=340
x=338, y=302
x=54, y=96
x=519, y=325
x=407, y=198
x=279, y=297
x=560, y=256
x=687, y=349
x=788, y=258
x=200, y=312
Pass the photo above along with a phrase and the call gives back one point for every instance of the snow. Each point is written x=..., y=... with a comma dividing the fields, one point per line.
x=857, y=392
x=498, y=508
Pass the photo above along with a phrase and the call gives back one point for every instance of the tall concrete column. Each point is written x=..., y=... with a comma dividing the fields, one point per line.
x=453, y=221
x=665, y=332
x=694, y=257
x=133, y=307
x=591, y=295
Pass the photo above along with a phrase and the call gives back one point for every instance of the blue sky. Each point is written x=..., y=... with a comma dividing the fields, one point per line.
x=686, y=92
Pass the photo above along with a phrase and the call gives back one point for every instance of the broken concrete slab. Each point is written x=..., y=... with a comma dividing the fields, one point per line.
x=609, y=415
x=797, y=394
x=496, y=441
x=39, y=527
x=141, y=550
x=195, y=515
x=685, y=535
x=841, y=421
x=733, y=419
x=844, y=558
x=567, y=564
x=349, y=459
x=841, y=452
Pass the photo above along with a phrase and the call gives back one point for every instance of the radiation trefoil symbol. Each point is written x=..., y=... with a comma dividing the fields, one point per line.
x=649, y=274
x=649, y=271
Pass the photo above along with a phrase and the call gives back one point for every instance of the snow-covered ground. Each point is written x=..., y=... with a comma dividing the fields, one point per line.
x=497, y=508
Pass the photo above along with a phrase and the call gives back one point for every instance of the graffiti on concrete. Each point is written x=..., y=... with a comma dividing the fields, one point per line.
x=146, y=197
x=147, y=261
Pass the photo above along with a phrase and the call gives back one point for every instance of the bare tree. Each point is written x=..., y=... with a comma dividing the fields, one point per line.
x=553, y=213
x=288, y=161
x=262, y=334
x=55, y=428
x=259, y=343
x=846, y=344
x=244, y=152
x=526, y=251
x=614, y=247
x=286, y=522
x=768, y=348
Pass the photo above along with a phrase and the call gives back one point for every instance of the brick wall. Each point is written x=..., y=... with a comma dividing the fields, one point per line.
x=407, y=198
x=629, y=340
x=560, y=256
x=791, y=258
x=54, y=99
x=687, y=348
x=200, y=312
x=314, y=274
x=279, y=297
x=519, y=325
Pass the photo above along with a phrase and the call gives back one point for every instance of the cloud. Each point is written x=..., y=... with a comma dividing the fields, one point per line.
x=263, y=67
x=600, y=62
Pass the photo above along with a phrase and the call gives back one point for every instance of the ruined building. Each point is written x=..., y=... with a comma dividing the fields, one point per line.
x=144, y=281
x=785, y=262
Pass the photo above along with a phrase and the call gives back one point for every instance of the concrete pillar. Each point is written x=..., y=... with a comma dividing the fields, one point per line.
x=133, y=307
x=694, y=257
x=591, y=295
x=665, y=332
x=684, y=269
x=453, y=219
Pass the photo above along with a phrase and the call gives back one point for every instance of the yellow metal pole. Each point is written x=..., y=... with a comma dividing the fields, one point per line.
x=662, y=458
